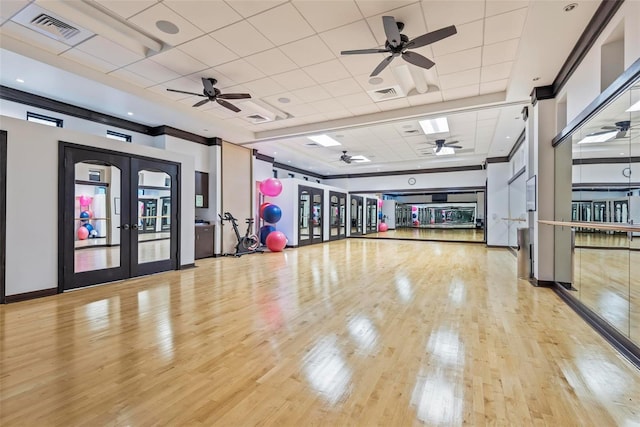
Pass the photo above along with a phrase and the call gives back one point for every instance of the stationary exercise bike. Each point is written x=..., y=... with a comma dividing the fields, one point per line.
x=247, y=244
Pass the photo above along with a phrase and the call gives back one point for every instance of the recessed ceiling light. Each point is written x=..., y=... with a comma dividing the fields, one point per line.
x=19, y=80
x=634, y=107
x=284, y=100
x=275, y=152
x=288, y=161
x=508, y=137
x=324, y=140
x=570, y=7
x=167, y=27
x=622, y=154
x=129, y=113
x=431, y=126
x=376, y=80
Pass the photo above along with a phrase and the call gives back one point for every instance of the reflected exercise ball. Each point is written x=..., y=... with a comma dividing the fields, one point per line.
x=276, y=241
x=83, y=233
x=383, y=226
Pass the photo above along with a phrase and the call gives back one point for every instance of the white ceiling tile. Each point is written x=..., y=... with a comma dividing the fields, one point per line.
x=494, y=7
x=295, y=79
x=152, y=71
x=308, y=51
x=312, y=94
x=468, y=36
x=181, y=83
x=496, y=72
x=221, y=112
x=338, y=114
x=388, y=79
x=132, y=77
x=300, y=110
x=282, y=24
x=242, y=38
x=328, y=14
x=315, y=118
x=361, y=64
x=327, y=71
x=393, y=104
x=89, y=60
x=126, y=9
x=206, y=15
x=355, y=100
x=208, y=50
x=459, y=61
x=271, y=61
x=505, y=26
x=248, y=8
x=376, y=7
x=240, y=71
x=10, y=8
x=463, y=78
x=494, y=86
x=264, y=87
x=327, y=105
x=31, y=37
x=275, y=100
x=461, y=92
x=488, y=114
x=364, y=109
x=148, y=18
x=410, y=15
x=223, y=81
x=178, y=61
x=350, y=37
x=439, y=14
x=425, y=98
x=500, y=52
x=109, y=51
x=343, y=87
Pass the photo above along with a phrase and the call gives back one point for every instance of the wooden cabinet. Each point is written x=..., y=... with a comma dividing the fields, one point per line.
x=204, y=241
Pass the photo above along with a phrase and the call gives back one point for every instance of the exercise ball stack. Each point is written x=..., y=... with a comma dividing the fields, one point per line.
x=271, y=214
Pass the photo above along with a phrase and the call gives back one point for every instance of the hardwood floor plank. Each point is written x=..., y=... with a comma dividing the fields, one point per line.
x=355, y=332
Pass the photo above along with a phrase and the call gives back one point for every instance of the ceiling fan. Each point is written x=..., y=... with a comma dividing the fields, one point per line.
x=398, y=45
x=621, y=127
x=345, y=158
x=214, y=94
x=440, y=144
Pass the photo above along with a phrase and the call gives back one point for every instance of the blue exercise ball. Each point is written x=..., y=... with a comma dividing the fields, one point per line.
x=272, y=214
x=264, y=232
x=89, y=227
x=84, y=215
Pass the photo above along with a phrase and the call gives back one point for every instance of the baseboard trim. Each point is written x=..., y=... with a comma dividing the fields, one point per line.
x=408, y=239
x=621, y=343
x=31, y=295
x=541, y=283
x=498, y=247
x=188, y=266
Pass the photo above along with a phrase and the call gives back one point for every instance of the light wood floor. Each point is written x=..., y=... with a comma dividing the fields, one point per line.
x=453, y=234
x=88, y=259
x=353, y=332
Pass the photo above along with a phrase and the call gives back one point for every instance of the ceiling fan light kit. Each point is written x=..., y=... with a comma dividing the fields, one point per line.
x=398, y=44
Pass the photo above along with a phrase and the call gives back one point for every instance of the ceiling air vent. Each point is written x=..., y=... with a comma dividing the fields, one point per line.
x=384, y=94
x=257, y=118
x=51, y=25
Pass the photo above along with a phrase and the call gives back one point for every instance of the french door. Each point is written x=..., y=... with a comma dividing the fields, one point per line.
x=357, y=217
x=310, y=215
x=337, y=220
x=110, y=225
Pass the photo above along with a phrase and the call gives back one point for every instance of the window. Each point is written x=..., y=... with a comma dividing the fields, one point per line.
x=291, y=175
x=318, y=181
x=275, y=173
x=306, y=178
x=95, y=175
x=43, y=120
x=119, y=136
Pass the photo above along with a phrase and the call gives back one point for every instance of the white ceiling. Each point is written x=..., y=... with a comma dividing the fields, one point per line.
x=291, y=49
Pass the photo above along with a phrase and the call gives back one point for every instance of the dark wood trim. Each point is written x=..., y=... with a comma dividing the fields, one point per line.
x=408, y=172
x=525, y=113
x=263, y=157
x=31, y=295
x=621, y=343
x=187, y=266
x=297, y=170
x=517, y=145
x=543, y=283
x=606, y=160
x=503, y=159
x=599, y=186
x=592, y=31
x=183, y=134
x=423, y=192
x=153, y=187
x=615, y=89
x=95, y=183
x=540, y=93
x=49, y=104
x=3, y=213
x=517, y=175
x=506, y=247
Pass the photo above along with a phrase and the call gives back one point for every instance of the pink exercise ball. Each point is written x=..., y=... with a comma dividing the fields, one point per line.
x=416, y=223
x=271, y=187
x=414, y=208
x=83, y=233
x=276, y=241
x=383, y=226
x=84, y=200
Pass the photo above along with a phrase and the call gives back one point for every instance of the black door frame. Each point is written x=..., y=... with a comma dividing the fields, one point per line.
x=3, y=214
x=359, y=205
x=312, y=191
x=339, y=217
x=67, y=278
x=372, y=224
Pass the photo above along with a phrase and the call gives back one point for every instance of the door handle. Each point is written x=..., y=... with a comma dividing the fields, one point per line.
x=124, y=226
x=134, y=226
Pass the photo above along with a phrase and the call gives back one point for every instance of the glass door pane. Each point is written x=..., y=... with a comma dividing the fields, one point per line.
x=343, y=207
x=316, y=218
x=334, y=229
x=154, y=198
x=304, y=209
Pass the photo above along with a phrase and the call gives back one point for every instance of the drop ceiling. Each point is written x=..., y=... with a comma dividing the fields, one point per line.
x=286, y=54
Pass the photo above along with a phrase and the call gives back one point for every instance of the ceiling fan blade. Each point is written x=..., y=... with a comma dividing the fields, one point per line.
x=234, y=96
x=361, y=51
x=432, y=37
x=391, y=30
x=417, y=59
x=451, y=142
x=182, y=91
x=609, y=127
x=228, y=105
x=208, y=86
x=439, y=148
x=381, y=66
x=199, y=103
x=453, y=146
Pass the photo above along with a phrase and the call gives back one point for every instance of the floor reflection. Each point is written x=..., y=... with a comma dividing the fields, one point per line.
x=327, y=371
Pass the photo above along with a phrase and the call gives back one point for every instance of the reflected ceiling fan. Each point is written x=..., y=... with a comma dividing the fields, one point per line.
x=398, y=45
x=345, y=158
x=213, y=94
x=439, y=144
x=621, y=127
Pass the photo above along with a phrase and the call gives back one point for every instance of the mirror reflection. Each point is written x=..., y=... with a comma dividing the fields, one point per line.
x=154, y=216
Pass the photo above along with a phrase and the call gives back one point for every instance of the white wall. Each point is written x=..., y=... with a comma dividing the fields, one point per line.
x=517, y=207
x=382, y=184
x=498, y=175
x=604, y=173
x=32, y=174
